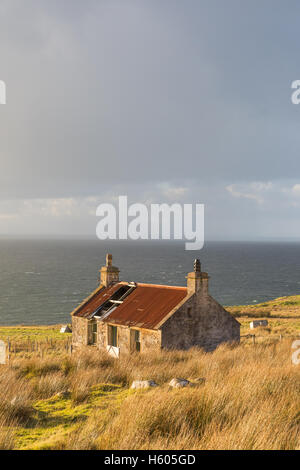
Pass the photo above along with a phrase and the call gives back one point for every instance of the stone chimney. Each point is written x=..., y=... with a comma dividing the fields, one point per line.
x=197, y=281
x=109, y=273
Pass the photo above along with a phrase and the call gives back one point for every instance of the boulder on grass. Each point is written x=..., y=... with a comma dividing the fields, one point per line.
x=179, y=383
x=64, y=394
x=143, y=384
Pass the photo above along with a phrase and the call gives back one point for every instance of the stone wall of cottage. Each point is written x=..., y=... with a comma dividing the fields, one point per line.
x=201, y=322
x=150, y=341
x=82, y=336
x=124, y=339
x=101, y=335
x=79, y=332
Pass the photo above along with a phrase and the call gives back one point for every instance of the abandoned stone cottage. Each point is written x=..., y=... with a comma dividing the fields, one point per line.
x=125, y=317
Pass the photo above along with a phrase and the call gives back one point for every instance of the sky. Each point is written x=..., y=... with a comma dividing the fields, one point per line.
x=160, y=100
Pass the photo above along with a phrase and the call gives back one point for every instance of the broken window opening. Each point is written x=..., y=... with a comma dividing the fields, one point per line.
x=116, y=299
x=121, y=293
x=93, y=327
x=112, y=336
x=135, y=340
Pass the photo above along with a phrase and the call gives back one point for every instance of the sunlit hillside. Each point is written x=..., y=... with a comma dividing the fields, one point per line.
x=250, y=398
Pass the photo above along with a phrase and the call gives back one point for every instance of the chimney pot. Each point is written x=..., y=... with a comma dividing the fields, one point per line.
x=197, y=266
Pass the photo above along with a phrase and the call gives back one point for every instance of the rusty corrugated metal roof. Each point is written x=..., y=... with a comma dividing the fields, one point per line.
x=145, y=307
x=95, y=300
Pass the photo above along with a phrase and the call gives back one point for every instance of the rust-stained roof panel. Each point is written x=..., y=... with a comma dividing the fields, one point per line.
x=147, y=305
x=93, y=302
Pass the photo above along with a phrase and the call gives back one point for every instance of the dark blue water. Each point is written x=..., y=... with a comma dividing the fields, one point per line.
x=42, y=281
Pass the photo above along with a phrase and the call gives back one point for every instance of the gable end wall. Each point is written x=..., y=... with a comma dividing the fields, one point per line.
x=201, y=321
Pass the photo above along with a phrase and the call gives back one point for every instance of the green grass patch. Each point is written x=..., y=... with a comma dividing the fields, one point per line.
x=33, y=333
x=56, y=417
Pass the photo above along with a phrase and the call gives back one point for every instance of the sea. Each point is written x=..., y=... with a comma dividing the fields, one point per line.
x=42, y=281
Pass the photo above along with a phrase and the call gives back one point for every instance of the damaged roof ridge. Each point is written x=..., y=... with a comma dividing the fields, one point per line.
x=104, y=291
x=142, y=284
x=146, y=284
x=87, y=299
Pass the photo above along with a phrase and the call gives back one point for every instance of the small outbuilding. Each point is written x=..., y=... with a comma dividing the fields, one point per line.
x=65, y=329
x=258, y=323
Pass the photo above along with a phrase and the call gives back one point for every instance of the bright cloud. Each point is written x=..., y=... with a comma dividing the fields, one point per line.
x=254, y=190
x=296, y=189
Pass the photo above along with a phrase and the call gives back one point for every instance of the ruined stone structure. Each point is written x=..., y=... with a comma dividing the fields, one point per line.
x=124, y=317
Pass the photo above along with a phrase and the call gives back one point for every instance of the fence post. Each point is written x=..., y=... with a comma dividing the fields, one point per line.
x=3, y=352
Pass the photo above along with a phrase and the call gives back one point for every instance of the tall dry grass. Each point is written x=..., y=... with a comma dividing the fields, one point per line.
x=250, y=399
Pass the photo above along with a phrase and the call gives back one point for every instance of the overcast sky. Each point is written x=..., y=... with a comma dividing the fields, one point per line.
x=160, y=100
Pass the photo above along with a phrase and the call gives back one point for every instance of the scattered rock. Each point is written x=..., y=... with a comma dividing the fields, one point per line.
x=143, y=384
x=179, y=383
x=15, y=401
x=64, y=394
